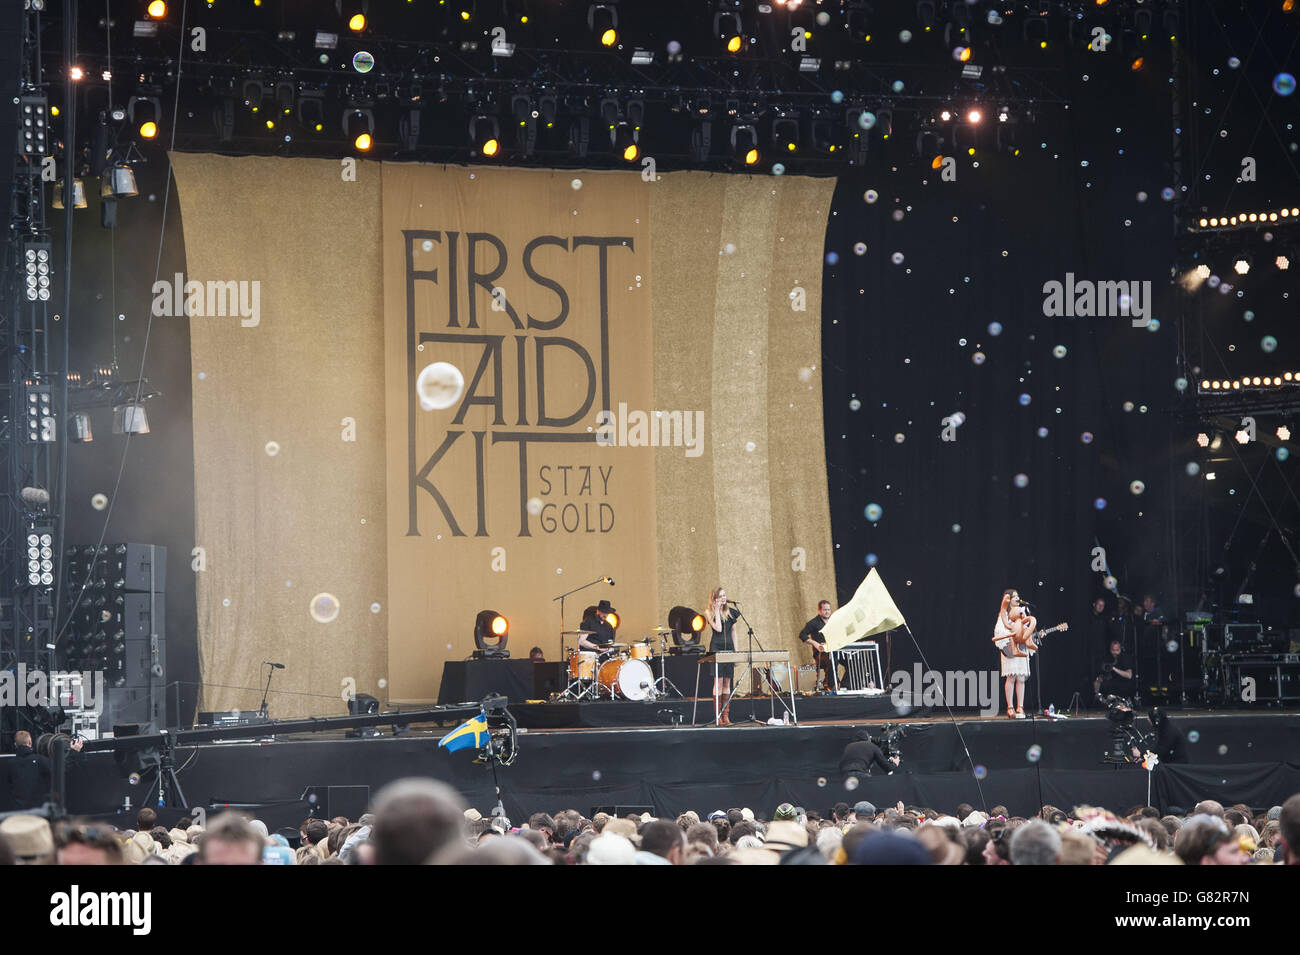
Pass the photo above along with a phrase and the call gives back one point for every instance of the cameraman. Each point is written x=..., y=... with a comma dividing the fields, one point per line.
x=1116, y=676
x=862, y=754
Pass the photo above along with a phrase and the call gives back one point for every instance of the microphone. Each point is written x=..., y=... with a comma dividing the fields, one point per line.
x=268, y=663
x=610, y=581
x=733, y=603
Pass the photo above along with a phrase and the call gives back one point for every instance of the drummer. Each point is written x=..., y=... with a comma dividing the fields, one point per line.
x=599, y=633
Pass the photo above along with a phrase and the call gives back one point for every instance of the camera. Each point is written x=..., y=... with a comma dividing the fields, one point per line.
x=889, y=740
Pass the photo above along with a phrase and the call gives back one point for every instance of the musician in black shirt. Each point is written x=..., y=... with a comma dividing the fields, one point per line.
x=601, y=634
x=820, y=655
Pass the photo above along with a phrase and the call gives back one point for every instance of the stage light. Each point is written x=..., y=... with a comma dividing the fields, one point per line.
x=1283, y=433
x=974, y=116
x=148, y=129
x=936, y=162
x=686, y=625
x=1202, y=271
x=78, y=194
x=157, y=9
x=946, y=115
x=1282, y=262
x=79, y=429
x=611, y=618
x=491, y=634
x=744, y=144
x=326, y=41
x=118, y=182
x=1136, y=63
x=1217, y=442
x=485, y=136
x=357, y=22
x=642, y=58
x=130, y=418
x=602, y=21
x=1241, y=264
x=785, y=132
x=363, y=142
x=76, y=73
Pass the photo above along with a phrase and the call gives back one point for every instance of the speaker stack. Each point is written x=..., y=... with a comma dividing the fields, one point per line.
x=116, y=597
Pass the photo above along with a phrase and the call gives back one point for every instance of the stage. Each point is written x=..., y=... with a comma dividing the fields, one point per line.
x=1246, y=757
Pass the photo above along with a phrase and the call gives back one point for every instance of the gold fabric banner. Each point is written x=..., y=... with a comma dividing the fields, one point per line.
x=641, y=399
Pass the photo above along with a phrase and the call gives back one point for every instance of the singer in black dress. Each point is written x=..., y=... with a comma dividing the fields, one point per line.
x=721, y=622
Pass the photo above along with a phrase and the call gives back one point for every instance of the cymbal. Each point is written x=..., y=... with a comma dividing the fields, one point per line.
x=576, y=633
x=660, y=630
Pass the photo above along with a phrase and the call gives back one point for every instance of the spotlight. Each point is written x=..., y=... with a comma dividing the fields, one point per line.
x=686, y=626
x=1282, y=262
x=624, y=138
x=144, y=112
x=1202, y=271
x=611, y=618
x=130, y=418
x=744, y=145
x=119, y=183
x=78, y=194
x=76, y=73
x=485, y=136
x=1241, y=264
x=726, y=27
x=157, y=9
x=491, y=634
x=1136, y=63
x=357, y=22
x=365, y=138
x=785, y=132
x=602, y=21
x=974, y=116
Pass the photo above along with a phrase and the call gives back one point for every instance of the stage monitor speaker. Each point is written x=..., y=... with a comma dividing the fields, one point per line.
x=146, y=661
x=330, y=801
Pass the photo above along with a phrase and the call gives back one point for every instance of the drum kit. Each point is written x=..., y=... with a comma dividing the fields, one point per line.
x=619, y=671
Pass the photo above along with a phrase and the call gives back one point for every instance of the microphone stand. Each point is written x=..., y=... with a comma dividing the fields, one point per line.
x=266, y=692
x=750, y=664
x=560, y=598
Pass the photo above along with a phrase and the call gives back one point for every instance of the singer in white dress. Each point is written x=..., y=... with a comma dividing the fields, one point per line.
x=1012, y=633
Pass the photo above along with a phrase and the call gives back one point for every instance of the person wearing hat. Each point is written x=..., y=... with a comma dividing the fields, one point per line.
x=785, y=813
x=29, y=839
x=863, y=811
x=599, y=633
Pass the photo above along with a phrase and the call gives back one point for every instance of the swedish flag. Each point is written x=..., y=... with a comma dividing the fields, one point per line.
x=473, y=733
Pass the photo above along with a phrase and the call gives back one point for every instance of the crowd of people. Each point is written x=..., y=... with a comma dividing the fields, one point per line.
x=422, y=821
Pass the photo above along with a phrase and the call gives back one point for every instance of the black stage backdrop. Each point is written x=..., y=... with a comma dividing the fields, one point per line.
x=958, y=326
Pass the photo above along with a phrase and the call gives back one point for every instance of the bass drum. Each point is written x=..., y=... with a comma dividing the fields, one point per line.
x=626, y=679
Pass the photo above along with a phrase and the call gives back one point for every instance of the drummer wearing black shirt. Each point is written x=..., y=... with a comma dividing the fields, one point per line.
x=820, y=655
x=600, y=634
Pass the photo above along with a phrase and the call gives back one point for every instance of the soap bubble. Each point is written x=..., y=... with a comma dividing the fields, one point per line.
x=324, y=608
x=1268, y=343
x=1034, y=753
x=99, y=502
x=1193, y=468
x=439, y=385
x=871, y=195
x=1180, y=384
x=134, y=779
x=896, y=86
x=1171, y=646
x=851, y=783
x=750, y=446
x=995, y=328
x=1058, y=351
x=778, y=169
x=1137, y=487
x=1100, y=504
x=1109, y=582
x=363, y=62
x=980, y=772
x=873, y=512
x=1086, y=437
x=427, y=245
x=1282, y=454
x=1024, y=400
x=897, y=258
x=978, y=358
x=866, y=119
x=1167, y=194
x=575, y=184
x=1233, y=62
x=1193, y=736
x=534, y=506
x=1284, y=84
x=832, y=258
x=905, y=36
x=375, y=607
x=859, y=248
x=1021, y=480
x=872, y=560
x=837, y=96
x=1223, y=749
x=272, y=448
x=821, y=782
x=854, y=404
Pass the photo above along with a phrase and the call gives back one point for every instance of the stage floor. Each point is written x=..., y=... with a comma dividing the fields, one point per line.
x=1237, y=757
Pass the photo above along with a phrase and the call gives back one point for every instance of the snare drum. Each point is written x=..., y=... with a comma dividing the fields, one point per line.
x=641, y=651
x=627, y=679
x=582, y=665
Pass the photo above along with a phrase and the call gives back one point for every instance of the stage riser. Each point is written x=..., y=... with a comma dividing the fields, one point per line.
x=677, y=769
